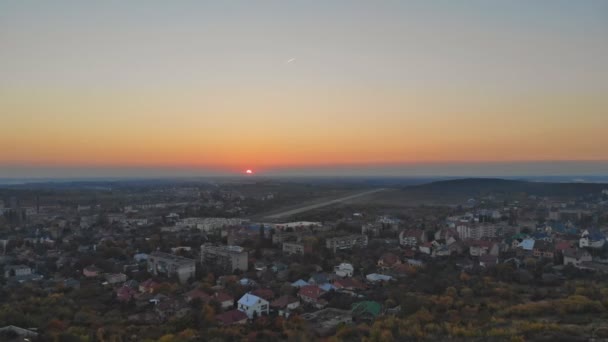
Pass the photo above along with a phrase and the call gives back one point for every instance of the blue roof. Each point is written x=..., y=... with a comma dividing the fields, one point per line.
x=249, y=300
x=596, y=235
x=299, y=283
x=327, y=287
x=378, y=277
x=527, y=244
x=246, y=281
x=319, y=278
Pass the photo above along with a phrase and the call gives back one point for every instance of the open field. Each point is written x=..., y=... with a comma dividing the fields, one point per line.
x=320, y=204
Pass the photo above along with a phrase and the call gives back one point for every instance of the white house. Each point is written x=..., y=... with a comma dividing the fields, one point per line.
x=592, y=239
x=344, y=270
x=253, y=305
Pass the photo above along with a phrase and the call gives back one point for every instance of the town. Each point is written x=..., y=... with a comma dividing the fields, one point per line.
x=178, y=262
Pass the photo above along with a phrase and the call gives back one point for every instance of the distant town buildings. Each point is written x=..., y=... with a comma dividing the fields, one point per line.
x=228, y=258
x=346, y=242
x=160, y=263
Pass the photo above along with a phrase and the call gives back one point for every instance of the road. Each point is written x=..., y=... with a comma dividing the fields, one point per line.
x=322, y=204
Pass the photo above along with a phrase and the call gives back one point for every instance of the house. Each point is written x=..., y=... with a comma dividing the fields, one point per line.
x=450, y=235
x=526, y=246
x=378, y=278
x=115, y=278
x=344, y=270
x=140, y=257
x=426, y=248
x=92, y=271
x=388, y=260
x=481, y=247
x=253, y=306
x=576, y=257
x=543, y=249
x=348, y=285
x=542, y=236
x=312, y=294
x=592, y=238
x=284, y=305
x=327, y=287
x=563, y=245
x=226, y=301
x=125, y=293
x=299, y=283
x=412, y=237
x=318, y=279
x=266, y=294
x=415, y=263
x=231, y=317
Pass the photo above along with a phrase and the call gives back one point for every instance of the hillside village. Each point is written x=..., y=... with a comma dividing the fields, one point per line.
x=186, y=263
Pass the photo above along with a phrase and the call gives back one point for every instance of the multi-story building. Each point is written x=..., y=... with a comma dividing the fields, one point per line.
x=17, y=271
x=229, y=258
x=160, y=263
x=373, y=229
x=296, y=248
x=346, y=242
x=476, y=232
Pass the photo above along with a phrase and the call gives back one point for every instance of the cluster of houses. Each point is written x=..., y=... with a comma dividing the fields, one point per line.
x=247, y=275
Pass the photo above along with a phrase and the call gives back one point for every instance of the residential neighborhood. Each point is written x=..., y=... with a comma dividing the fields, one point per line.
x=159, y=267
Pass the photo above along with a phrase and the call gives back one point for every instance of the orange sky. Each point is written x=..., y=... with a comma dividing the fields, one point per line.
x=235, y=87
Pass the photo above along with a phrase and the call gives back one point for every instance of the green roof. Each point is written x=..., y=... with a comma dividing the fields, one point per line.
x=366, y=307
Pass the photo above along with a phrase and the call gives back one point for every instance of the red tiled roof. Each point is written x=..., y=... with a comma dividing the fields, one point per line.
x=283, y=301
x=231, y=317
x=563, y=245
x=389, y=258
x=124, y=293
x=263, y=293
x=311, y=291
x=349, y=283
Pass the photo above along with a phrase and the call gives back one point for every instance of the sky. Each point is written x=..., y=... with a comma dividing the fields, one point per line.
x=164, y=88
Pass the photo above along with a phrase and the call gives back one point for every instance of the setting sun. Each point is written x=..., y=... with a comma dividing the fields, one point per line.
x=249, y=172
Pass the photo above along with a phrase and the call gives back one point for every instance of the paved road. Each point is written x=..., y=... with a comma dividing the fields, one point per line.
x=322, y=204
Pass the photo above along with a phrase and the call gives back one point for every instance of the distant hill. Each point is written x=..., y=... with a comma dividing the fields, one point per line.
x=485, y=186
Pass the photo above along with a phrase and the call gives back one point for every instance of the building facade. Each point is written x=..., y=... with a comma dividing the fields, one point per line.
x=169, y=265
x=228, y=258
x=346, y=242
